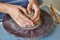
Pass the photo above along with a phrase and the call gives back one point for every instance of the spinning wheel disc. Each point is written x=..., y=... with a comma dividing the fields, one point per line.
x=42, y=30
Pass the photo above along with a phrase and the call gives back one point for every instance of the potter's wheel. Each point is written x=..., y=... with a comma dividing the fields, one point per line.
x=40, y=31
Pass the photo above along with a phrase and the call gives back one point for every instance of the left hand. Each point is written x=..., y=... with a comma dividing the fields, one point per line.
x=33, y=4
x=15, y=12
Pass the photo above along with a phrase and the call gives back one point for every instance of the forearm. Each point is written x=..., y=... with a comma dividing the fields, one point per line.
x=34, y=2
x=2, y=8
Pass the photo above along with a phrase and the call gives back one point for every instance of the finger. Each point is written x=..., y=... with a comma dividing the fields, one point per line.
x=18, y=21
x=24, y=22
x=38, y=18
x=20, y=24
x=37, y=13
x=26, y=19
x=29, y=8
x=23, y=9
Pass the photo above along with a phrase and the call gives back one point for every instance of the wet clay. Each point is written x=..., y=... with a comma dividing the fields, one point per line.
x=47, y=25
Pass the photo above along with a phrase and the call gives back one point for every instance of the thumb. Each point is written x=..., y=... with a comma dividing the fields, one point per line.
x=29, y=8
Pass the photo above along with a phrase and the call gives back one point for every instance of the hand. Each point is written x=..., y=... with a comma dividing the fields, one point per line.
x=18, y=17
x=33, y=5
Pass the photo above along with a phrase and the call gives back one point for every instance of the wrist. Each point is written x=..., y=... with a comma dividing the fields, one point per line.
x=32, y=0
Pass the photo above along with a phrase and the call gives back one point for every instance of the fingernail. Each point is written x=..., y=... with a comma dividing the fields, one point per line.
x=33, y=25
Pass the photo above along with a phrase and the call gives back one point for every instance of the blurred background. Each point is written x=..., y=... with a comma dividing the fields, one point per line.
x=55, y=3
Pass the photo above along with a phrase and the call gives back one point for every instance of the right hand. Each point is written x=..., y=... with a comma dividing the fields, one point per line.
x=18, y=17
x=33, y=5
